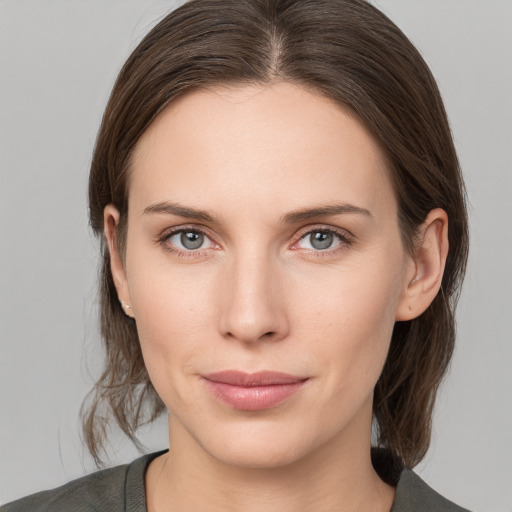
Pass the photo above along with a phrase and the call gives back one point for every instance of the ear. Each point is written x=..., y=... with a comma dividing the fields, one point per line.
x=425, y=272
x=111, y=223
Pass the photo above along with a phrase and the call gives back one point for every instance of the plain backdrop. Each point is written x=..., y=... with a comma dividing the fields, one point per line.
x=58, y=61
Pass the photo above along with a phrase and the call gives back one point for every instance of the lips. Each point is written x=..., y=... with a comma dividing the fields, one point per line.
x=252, y=391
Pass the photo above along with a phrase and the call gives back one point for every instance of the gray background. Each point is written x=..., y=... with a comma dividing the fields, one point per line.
x=58, y=60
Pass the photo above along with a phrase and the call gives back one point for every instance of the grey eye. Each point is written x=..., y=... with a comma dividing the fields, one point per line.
x=191, y=240
x=188, y=240
x=321, y=240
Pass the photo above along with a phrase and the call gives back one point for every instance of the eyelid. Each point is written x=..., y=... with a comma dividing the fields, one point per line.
x=346, y=239
x=166, y=234
x=341, y=232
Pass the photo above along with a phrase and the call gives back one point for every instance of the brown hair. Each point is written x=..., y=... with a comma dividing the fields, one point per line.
x=350, y=52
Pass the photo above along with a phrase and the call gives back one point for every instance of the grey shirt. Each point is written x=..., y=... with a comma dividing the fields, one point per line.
x=121, y=489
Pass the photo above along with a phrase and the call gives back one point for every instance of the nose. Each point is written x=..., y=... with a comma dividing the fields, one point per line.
x=253, y=305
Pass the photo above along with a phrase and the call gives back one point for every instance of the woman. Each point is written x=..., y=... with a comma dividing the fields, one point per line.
x=284, y=241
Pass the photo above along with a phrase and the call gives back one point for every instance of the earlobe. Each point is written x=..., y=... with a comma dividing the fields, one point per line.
x=111, y=222
x=427, y=267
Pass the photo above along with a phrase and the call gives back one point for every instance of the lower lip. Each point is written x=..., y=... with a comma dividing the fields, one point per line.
x=253, y=398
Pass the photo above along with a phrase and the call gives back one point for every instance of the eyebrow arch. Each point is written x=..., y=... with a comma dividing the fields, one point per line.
x=323, y=211
x=168, y=208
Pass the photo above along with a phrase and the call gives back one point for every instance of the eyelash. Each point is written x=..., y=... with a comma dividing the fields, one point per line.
x=345, y=241
x=345, y=238
x=199, y=253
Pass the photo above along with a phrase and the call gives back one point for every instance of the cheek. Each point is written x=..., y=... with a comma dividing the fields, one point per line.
x=351, y=321
x=166, y=296
x=356, y=297
x=172, y=306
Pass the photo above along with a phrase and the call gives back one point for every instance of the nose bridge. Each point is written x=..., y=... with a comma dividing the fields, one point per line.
x=253, y=307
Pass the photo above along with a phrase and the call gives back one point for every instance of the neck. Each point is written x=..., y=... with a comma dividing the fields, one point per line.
x=336, y=476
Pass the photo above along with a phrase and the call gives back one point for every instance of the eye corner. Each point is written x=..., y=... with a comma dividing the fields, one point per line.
x=330, y=242
x=174, y=240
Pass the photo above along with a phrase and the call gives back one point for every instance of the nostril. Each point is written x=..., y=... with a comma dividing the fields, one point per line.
x=269, y=334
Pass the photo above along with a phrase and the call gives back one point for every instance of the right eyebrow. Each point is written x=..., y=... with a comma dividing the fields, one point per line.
x=169, y=208
x=324, y=211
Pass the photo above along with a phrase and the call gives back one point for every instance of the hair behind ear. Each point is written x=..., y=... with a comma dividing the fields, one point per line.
x=123, y=392
x=404, y=397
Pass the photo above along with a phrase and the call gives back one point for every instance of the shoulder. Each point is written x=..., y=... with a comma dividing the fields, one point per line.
x=414, y=495
x=103, y=490
x=108, y=490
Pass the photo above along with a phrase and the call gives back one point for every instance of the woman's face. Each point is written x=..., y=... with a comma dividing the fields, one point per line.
x=263, y=237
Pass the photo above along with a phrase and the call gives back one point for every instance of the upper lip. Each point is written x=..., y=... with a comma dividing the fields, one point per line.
x=263, y=378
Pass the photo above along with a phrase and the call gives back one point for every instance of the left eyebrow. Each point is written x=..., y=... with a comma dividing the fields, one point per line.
x=323, y=211
x=168, y=208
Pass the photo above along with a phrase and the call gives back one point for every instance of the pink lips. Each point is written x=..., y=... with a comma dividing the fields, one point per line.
x=252, y=391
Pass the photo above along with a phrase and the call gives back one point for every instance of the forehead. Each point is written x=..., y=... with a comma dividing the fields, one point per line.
x=263, y=143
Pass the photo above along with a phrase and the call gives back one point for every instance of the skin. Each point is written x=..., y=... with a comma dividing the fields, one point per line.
x=257, y=295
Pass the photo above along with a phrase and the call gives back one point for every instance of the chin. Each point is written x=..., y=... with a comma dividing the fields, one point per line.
x=249, y=457
x=258, y=448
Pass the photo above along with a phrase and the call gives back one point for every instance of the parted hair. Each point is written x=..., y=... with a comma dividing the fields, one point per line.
x=350, y=52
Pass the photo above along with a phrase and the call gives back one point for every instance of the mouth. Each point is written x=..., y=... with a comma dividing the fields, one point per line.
x=253, y=391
